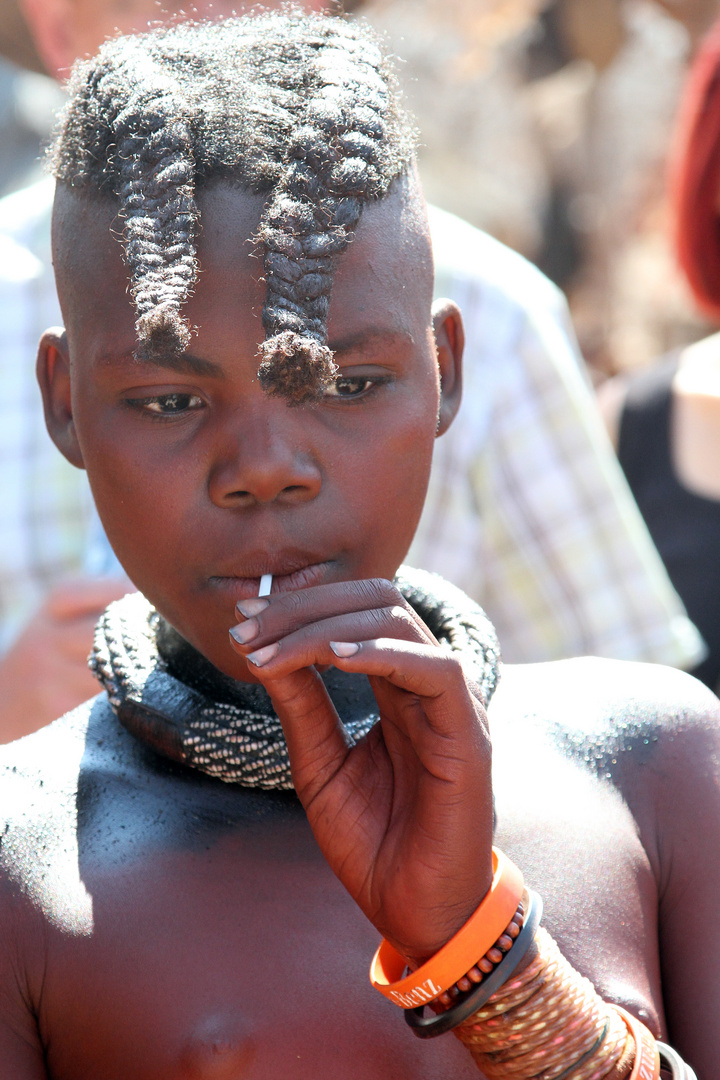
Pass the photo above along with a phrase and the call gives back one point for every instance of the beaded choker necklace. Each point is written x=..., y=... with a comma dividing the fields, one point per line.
x=170, y=697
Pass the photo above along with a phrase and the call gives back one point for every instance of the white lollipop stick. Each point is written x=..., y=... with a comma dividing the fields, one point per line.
x=265, y=585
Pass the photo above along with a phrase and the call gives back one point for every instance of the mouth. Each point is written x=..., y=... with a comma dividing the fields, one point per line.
x=286, y=577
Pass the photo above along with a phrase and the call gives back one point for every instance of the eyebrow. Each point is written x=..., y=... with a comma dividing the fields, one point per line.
x=367, y=340
x=182, y=363
x=188, y=364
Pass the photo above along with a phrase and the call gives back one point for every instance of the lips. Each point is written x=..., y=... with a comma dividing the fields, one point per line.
x=286, y=578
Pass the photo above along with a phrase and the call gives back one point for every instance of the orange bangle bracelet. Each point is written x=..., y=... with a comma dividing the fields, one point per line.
x=647, y=1056
x=464, y=949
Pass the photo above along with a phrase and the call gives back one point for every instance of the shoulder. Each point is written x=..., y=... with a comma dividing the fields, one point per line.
x=40, y=773
x=592, y=700
x=44, y=779
x=653, y=732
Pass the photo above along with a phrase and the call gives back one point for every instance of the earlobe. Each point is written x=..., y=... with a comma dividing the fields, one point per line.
x=449, y=346
x=53, y=374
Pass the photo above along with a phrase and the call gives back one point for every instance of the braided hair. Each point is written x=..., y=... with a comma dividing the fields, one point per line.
x=302, y=109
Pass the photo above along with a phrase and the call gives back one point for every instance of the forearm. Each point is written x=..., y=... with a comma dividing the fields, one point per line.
x=547, y=1021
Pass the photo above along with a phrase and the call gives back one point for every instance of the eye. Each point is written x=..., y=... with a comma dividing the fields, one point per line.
x=167, y=405
x=352, y=386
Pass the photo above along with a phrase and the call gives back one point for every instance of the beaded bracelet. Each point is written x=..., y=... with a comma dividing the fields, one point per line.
x=452, y=962
x=428, y=1027
x=487, y=963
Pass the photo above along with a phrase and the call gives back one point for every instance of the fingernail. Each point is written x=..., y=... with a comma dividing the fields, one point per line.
x=252, y=606
x=245, y=632
x=344, y=648
x=261, y=656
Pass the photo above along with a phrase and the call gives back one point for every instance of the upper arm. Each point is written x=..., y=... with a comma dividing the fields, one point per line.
x=686, y=781
x=21, y=1051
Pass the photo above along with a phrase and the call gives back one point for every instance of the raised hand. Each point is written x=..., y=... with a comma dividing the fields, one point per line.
x=404, y=818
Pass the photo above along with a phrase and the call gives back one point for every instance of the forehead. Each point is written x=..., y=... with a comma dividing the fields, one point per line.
x=386, y=271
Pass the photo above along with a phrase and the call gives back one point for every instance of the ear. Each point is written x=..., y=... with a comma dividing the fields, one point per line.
x=449, y=345
x=53, y=374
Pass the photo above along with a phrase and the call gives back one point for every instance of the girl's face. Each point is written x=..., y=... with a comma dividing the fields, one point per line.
x=202, y=481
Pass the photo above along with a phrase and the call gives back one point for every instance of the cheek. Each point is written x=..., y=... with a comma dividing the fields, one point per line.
x=144, y=496
x=389, y=480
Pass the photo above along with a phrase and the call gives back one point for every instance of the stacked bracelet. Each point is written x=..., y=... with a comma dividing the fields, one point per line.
x=455, y=959
x=430, y=1026
x=547, y=1020
x=540, y=1019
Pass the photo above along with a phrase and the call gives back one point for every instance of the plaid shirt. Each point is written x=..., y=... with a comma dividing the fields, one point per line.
x=45, y=503
x=528, y=510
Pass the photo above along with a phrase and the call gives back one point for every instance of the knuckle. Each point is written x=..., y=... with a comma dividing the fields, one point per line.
x=452, y=664
x=401, y=615
x=291, y=602
x=285, y=615
x=389, y=621
x=381, y=592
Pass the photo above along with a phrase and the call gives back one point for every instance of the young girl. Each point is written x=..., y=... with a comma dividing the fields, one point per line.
x=159, y=922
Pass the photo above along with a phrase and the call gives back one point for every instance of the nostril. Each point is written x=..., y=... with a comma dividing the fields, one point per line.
x=242, y=497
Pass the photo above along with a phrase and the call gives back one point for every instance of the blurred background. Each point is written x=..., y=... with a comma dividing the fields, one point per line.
x=548, y=125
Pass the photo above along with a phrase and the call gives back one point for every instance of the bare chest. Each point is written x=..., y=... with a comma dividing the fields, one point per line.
x=234, y=952
x=242, y=957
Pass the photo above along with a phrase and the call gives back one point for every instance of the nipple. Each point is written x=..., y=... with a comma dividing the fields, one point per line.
x=218, y=1050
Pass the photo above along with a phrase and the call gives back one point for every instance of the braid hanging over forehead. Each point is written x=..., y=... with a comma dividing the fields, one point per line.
x=303, y=109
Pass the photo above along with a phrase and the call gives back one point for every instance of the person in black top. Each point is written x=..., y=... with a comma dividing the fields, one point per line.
x=666, y=421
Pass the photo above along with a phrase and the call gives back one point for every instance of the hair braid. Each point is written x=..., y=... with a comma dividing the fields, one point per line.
x=301, y=108
x=157, y=202
x=334, y=154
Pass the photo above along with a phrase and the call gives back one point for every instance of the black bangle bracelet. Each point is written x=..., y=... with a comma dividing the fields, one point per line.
x=671, y=1060
x=427, y=1027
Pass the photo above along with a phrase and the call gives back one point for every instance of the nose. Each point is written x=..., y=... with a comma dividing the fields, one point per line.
x=264, y=455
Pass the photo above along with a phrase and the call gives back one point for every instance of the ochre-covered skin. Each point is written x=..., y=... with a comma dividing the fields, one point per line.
x=158, y=924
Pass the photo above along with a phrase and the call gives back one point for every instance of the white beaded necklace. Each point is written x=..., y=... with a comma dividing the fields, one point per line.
x=246, y=745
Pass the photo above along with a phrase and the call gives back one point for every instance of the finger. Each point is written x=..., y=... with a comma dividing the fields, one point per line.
x=316, y=739
x=435, y=675
x=86, y=596
x=271, y=618
x=429, y=672
x=308, y=645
